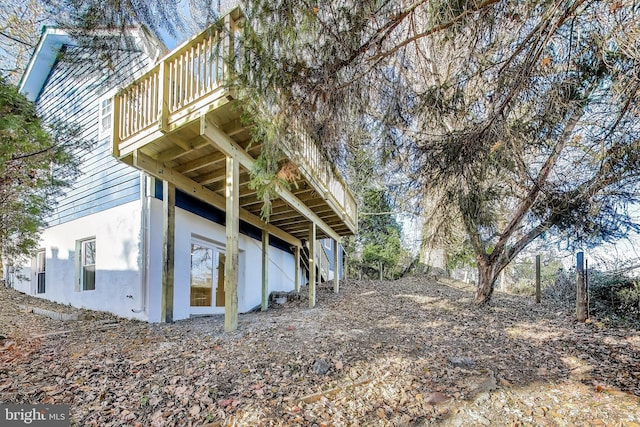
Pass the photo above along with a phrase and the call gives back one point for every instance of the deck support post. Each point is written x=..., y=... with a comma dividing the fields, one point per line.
x=296, y=268
x=265, y=270
x=232, y=231
x=336, y=267
x=312, y=265
x=168, y=252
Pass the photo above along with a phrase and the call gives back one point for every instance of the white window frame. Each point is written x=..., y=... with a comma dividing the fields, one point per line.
x=217, y=249
x=81, y=285
x=40, y=267
x=103, y=133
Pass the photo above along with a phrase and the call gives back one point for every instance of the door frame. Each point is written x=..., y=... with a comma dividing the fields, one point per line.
x=217, y=251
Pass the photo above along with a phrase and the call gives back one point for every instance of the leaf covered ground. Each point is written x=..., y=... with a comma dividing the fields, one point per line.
x=403, y=353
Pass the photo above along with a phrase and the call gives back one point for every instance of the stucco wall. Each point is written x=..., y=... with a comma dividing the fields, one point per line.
x=118, y=237
x=188, y=225
x=118, y=233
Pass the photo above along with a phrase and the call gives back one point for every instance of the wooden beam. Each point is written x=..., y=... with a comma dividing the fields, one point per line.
x=312, y=265
x=279, y=202
x=215, y=175
x=180, y=149
x=168, y=252
x=245, y=177
x=201, y=162
x=231, y=251
x=265, y=270
x=336, y=267
x=283, y=213
x=296, y=268
x=289, y=214
x=226, y=144
x=189, y=186
x=234, y=127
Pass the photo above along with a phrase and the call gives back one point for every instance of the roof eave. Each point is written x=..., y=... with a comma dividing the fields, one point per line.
x=43, y=58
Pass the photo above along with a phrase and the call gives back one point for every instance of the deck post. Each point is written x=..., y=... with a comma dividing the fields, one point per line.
x=265, y=270
x=296, y=268
x=312, y=265
x=168, y=252
x=582, y=306
x=336, y=267
x=232, y=230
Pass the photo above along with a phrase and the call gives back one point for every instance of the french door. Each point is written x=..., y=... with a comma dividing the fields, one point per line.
x=207, y=277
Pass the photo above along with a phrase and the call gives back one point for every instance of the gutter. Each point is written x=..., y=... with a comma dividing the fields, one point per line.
x=145, y=213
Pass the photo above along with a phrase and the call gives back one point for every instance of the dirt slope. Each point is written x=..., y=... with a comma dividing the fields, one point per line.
x=403, y=353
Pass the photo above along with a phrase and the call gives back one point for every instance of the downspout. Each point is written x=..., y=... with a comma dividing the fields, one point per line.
x=145, y=213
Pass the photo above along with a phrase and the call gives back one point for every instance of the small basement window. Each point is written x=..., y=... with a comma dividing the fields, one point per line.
x=104, y=117
x=87, y=271
x=41, y=262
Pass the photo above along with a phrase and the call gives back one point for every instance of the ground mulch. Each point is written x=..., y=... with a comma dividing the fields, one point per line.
x=411, y=352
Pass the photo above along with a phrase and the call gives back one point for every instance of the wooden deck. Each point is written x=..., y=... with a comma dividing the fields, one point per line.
x=180, y=124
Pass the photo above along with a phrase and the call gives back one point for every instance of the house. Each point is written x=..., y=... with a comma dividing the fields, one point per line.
x=162, y=224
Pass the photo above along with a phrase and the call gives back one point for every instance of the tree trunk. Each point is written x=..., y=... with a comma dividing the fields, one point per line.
x=487, y=275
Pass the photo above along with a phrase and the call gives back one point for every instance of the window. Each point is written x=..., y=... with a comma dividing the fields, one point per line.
x=40, y=271
x=104, y=117
x=207, y=277
x=88, y=265
x=201, y=275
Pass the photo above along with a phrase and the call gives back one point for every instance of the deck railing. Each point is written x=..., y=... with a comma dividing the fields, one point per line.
x=314, y=165
x=176, y=85
x=186, y=83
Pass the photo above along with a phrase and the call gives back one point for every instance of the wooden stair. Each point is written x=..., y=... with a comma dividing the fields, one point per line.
x=322, y=261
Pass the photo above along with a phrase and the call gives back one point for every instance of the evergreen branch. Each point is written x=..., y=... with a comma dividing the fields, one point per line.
x=380, y=34
x=433, y=30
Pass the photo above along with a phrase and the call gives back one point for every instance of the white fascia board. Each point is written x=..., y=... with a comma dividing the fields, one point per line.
x=41, y=62
x=52, y=40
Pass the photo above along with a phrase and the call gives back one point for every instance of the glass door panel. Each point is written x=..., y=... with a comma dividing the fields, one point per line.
x=202, y=274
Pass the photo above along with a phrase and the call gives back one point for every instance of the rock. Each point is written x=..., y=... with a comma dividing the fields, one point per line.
x=321, y=367
x=487, y=385
x=462, y=362
x=437, y=397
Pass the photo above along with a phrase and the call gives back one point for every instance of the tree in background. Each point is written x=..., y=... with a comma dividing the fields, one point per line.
x=520, y=117
x=36, y=165
x=378, y=243
x=379, y=234
x=20, y=24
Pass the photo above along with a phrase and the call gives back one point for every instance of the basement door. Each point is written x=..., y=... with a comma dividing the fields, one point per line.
x=207, y=277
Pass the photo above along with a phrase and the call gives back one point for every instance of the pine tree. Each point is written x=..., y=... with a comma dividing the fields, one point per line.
x=36, y=164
